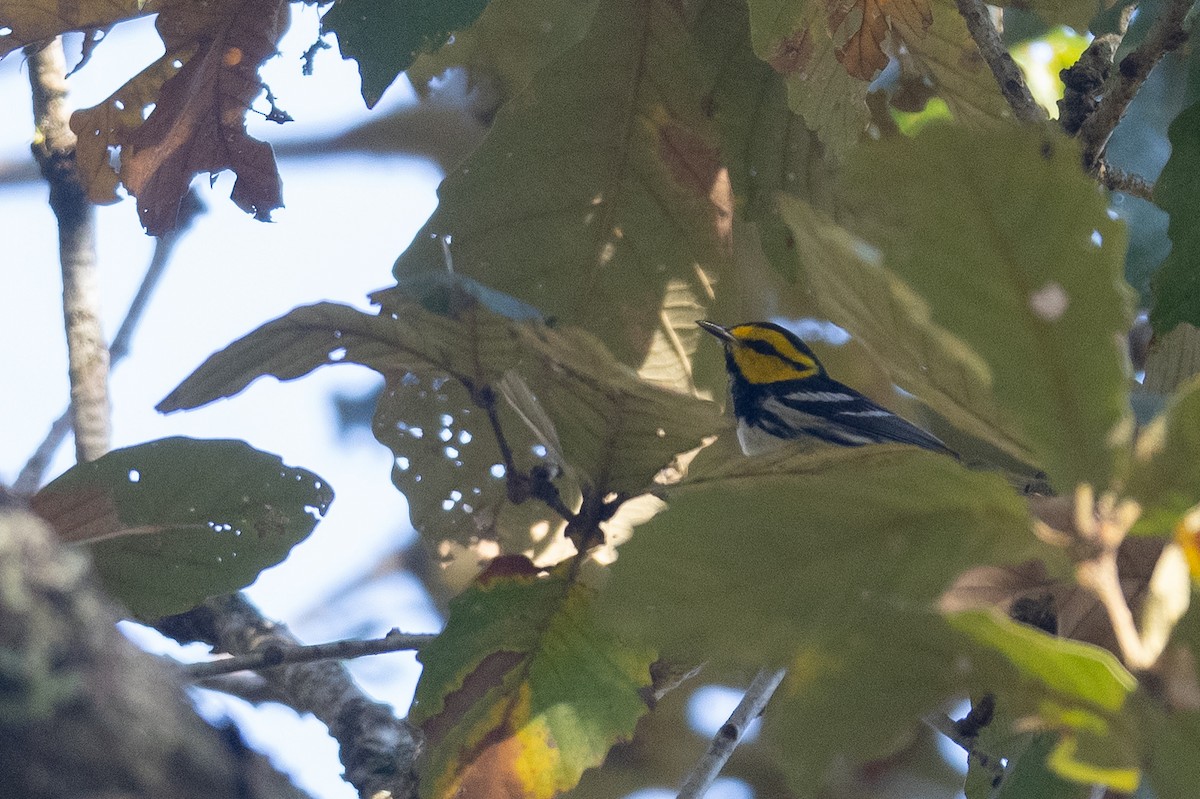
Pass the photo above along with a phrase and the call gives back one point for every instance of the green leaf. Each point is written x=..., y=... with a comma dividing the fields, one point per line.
x=1173, y=360
x=838, y=556
x=1076, y=689
x=1176, y=285
x=386, y=36
x=1073, y=670
x=508, y=44
x=598, y=196
x=884, y=315
x=1011, y=246
x=175, y=521
x=1029, y=777
x=614, y=431
x=1165, y=478
x=947, y=58
x=767, y=147
x=894, y=521
x=1173, y=744
x=522, y=689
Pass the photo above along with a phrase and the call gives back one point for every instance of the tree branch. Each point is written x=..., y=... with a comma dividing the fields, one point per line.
x=273, y=655
x=1007, y=73
x=1119, y=180
x=54, y=150
x=34, y=470
x=377, y=749
x=1165, y=35
x=730, y=734
x=86, y=713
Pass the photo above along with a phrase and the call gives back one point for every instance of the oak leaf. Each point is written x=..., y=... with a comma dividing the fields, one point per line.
x=185, y=113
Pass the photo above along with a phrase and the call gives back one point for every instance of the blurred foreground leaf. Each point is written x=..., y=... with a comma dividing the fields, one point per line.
x=1011, y=246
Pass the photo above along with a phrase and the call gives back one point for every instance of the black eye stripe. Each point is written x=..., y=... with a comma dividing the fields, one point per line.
x=763, y=348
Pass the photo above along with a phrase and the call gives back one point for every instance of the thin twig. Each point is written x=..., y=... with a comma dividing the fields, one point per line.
x=730, y=734
x=1128, y=182
x=1166, y=34
x=54, y=150
x=30, y=477
x=948, y=727
x=275, y=655
x=1008, y=75
x=378, y=750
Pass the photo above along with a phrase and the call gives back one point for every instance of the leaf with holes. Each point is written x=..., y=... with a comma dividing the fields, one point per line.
x=522, y=690
x=175, y=521
x=33, y=21
x=616, y=431
x=185, y=114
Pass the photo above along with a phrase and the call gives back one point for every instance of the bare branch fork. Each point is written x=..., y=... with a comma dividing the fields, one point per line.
x=1093, y=121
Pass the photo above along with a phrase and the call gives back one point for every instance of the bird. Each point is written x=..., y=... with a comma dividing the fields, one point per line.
x=781, y=392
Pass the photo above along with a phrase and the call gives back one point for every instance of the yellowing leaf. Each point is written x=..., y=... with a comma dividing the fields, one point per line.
x=793, y=36
x=522, y=692
x=200, y=91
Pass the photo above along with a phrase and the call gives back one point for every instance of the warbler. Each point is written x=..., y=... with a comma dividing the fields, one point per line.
x=782, y=392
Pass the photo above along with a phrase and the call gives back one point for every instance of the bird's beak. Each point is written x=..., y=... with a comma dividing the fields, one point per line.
x=717, y=330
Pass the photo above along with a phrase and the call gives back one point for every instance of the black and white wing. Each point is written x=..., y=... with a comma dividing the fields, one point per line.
x=839, y=415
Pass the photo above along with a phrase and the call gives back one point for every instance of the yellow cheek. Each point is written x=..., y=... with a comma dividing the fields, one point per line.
x=759, y=368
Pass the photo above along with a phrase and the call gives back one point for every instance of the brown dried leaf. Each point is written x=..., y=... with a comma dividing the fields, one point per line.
x=200, y=91
x=862, y=52
x=36, y=20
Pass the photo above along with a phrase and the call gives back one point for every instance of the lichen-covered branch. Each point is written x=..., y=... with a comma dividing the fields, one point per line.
x=377, y=749
x=83, y=711
x=1165, y=35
